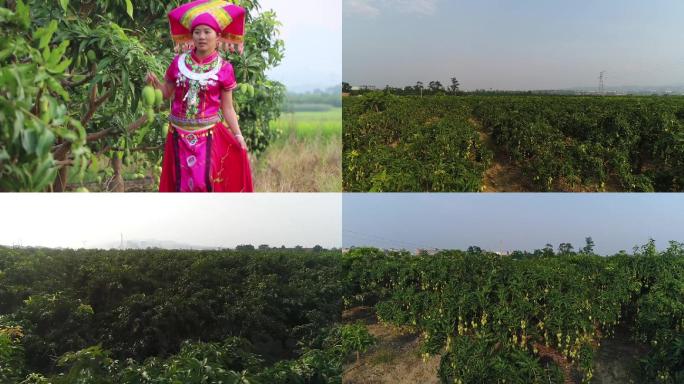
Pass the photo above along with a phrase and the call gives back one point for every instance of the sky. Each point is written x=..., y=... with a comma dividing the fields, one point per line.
x=85, y=220
x=507, y=222
x=513, y=44
x=312, y=31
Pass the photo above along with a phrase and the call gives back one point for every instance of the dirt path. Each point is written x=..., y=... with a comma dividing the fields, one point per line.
x=617, y=360
x=394, y=359
x=500, y=176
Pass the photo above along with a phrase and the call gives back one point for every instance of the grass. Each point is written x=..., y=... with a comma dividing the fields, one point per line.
x=311, y=124
x=306, y=158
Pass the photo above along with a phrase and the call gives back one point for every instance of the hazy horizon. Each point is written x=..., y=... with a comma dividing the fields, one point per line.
x=513, y=45
x=85, y=220
x=508, y=222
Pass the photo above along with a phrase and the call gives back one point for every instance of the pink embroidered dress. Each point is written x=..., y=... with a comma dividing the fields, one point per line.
x=201, y=154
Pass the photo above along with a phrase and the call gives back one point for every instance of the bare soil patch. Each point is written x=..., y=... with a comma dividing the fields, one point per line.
x=501, y=176
x=394, y=359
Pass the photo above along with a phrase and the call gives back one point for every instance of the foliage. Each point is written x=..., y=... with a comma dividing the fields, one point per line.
x=33, y=103
x=558, y=143
x=355, y=337
x=576, y=143
x=11, y=354
x=533, y=319
x=410, y=144
x=162, y=315
x=72, y=74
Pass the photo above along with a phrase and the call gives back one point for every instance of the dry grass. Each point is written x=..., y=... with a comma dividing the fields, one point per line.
x=394, y=359
x=296, y=164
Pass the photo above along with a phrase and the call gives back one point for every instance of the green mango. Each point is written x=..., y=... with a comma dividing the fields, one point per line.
x=148, y=96
x=158, y=98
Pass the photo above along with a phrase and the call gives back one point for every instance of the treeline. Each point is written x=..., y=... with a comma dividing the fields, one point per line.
x=434, y=87
x=316, y=101
x=161, y=316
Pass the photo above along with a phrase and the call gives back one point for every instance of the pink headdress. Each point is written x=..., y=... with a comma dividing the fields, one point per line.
x=228, y=20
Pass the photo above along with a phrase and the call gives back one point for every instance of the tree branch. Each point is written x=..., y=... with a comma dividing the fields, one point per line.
x=95, y=104
x=87, y=78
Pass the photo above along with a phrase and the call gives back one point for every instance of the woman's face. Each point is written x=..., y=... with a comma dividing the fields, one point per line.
x=204, y=38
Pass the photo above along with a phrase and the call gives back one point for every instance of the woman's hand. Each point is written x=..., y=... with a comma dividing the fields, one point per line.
x=153, y=80
x=241, y=140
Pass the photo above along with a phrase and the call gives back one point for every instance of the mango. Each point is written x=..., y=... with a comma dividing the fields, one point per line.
x=158, y=98
x=148, y=96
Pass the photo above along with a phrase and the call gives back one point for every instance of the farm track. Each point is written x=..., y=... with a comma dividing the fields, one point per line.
x=394, y=359
x=500, y=176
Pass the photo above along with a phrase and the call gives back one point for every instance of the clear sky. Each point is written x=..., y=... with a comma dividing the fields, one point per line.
x=77, y=220
x=507, y=222
x=312, y=31
x=513, y=44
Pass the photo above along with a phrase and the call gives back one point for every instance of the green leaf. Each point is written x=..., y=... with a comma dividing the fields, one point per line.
x=28, y=140
x=56, y=54
x=129, y=8
x=45, y=142
x=56, y=87
x=61, y=67
x=45, y=34
x=64, y=4
x=23, y=14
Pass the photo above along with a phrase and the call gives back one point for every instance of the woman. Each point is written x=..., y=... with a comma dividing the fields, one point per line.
x=202, y=154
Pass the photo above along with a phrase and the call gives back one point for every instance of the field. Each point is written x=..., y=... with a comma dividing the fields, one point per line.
x=273, y=315
x=513, y=143
x=526, y=318
x=156, y=316
x=307, y=157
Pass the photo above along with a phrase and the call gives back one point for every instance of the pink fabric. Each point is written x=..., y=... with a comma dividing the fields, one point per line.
x=208, y=20
x=210, y=101
x=229, y=169
x=192, y=153
x=232, y=33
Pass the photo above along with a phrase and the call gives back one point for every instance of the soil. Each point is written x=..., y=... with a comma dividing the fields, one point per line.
x=138, y=185
x=394, y=359
x=617, y=360
x=500, y=176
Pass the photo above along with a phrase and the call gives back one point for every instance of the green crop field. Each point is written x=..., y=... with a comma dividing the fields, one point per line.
x=531, y=318
x=272, y=315
x=158, y=316
x=311, y=124
x=513, y=143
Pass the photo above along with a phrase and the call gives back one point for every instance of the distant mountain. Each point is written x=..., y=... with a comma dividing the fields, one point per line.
x=636, y=89
x=152, y=243
x=318, y=89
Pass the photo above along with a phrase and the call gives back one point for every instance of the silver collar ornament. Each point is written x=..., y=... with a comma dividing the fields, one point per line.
x=196, y=82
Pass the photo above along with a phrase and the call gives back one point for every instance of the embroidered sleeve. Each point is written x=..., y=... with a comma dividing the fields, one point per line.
x=227, y=79
x=172, y=72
